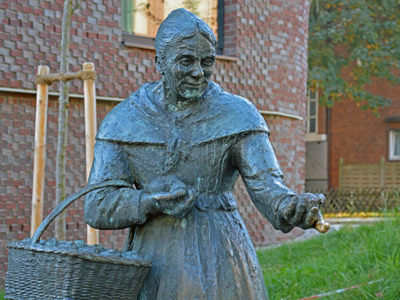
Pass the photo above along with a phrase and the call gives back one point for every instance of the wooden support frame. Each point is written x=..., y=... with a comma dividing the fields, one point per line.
x=43, y=79
x=90, y=134
x=39, y=159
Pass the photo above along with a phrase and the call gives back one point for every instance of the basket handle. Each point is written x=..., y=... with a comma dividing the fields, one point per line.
x=69, y=200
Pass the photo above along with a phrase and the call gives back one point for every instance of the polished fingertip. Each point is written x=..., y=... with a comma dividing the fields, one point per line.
x=322, y=226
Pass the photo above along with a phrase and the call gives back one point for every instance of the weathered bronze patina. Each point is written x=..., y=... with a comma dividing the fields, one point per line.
x=182, y=143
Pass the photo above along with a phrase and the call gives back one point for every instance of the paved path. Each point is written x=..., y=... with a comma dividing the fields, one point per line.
x=358, y=221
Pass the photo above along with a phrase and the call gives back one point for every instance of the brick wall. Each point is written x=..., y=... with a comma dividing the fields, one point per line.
x=360, y=136
x=16, y=155
x=270, y=43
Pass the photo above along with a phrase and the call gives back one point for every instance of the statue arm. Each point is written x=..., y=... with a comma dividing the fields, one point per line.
x=113, y=208
x=257, y=164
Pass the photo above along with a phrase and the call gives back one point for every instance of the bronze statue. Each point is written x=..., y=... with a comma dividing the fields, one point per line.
x=182, y=143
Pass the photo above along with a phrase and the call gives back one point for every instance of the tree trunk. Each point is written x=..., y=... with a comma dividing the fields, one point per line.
x=63, y=103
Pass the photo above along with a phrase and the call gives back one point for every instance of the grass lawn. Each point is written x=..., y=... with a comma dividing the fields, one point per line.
x=337, y=260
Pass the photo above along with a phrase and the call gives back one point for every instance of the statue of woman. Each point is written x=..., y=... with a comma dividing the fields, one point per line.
x=182, y=142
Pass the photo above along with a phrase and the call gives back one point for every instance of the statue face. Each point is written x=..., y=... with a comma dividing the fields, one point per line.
x=188, y=66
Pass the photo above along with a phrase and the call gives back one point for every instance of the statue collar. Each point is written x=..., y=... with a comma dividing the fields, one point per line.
x=143, y=118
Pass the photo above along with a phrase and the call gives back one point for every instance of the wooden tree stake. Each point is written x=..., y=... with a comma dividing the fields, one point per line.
x=90, y=133
x=40, y=151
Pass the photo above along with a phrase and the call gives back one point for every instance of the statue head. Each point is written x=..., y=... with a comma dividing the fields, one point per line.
x=185, y=53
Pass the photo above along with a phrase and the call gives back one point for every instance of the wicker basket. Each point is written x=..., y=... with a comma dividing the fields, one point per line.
x=53, y=269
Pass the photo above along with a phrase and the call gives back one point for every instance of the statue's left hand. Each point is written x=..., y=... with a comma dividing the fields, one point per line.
x=183, y=206
x=304, y=210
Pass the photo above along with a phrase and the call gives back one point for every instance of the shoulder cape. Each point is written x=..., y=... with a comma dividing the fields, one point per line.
x=140, y=118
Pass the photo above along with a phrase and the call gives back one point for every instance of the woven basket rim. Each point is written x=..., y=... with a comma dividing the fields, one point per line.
x=37, y=247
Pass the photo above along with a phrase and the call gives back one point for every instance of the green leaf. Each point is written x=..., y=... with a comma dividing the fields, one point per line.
x=350, y=43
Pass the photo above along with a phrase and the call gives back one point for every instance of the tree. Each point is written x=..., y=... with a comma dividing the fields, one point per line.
x=350, y=43
x=63, y=103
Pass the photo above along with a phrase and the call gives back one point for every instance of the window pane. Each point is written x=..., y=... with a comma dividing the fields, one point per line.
x=396, y=141
x=313, y=108
x=313, y=95
x=312, y=128
x=148, y=14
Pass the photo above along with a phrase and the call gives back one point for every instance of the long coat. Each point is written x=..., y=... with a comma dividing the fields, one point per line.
x=208, y=253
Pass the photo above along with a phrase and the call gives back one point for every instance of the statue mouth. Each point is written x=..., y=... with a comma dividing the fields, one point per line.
x=195, y=85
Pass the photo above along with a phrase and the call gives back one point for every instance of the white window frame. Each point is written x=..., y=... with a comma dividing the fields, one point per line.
x=309, y=117
x=136, y=22
x=392, y=138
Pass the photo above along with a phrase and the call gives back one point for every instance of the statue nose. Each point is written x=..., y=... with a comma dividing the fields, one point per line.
x=198, y=72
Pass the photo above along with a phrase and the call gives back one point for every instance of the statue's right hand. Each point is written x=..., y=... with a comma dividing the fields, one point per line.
x=167, y=195
x=163, y=201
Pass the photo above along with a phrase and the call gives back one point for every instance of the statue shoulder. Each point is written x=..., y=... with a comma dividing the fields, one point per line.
x=127, y=123
x=113, y=120
x=241, y=112
x=238, y=103
x=223, y=114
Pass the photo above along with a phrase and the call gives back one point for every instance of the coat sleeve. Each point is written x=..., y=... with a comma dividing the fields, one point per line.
x=112, y=208
x=257, y=164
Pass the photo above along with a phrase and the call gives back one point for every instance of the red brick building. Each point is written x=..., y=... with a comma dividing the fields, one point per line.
x=367, y=143
x=263, y=57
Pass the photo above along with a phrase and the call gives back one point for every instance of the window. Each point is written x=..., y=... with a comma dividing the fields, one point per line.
x=394, y=144
x=312, y=112
x=141, y=18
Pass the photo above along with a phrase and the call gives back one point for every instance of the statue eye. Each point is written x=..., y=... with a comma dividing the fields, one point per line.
x=208, y=62
x=186, y=62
